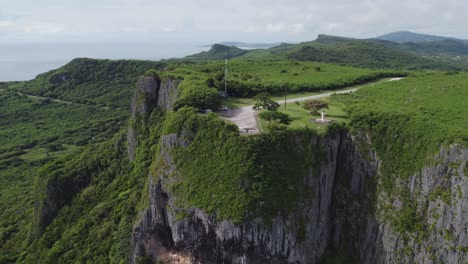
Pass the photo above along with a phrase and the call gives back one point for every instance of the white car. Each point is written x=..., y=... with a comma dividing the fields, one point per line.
x=223, y=108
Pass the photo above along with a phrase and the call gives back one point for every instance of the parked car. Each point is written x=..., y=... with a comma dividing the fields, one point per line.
x=223, y=108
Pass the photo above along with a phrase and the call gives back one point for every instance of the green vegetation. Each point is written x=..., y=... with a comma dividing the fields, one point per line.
x=362, y=53
x=275, y=116
x=63, y=142
x=338, y=256
x=103, y=83
x=248, y=78
x=314, y=106
x=239, y=177
x=92, y=199
x=264, y=101
x=37, y=130
x=367, y=53
x=34, y=132
x=200, y=97
x=417, y=113
x=408, y=121
x=300, y=118
x=217, y=52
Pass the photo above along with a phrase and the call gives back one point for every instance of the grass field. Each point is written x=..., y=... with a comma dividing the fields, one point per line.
x=236, y=102
x=247, y=78
x=301, y=118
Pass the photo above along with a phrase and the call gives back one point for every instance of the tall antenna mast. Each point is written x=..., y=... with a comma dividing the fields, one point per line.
x=225, y=78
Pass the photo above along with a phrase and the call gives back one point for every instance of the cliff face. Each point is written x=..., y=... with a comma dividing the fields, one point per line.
x=439, y=194
x=151, y=92
x=323, y=220
x=346, y=212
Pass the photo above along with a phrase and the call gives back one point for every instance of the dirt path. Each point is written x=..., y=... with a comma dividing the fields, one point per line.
x=244, y=117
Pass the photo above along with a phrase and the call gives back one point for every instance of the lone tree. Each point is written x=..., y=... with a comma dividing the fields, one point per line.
x=264, y=101
x=314, y=106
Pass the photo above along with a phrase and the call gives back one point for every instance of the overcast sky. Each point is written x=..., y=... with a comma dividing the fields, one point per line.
x=208, y=21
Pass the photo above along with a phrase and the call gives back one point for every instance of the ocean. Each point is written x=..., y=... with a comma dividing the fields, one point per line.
x=24, y=61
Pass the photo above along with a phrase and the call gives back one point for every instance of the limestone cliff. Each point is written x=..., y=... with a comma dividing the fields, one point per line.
x=341, y=215
x=346, y=211
x=151, y=92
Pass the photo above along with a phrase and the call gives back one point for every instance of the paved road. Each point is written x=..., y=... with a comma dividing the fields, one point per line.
x=244, y=117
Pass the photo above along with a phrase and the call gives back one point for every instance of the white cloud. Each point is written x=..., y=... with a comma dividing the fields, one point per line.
x=132, y=29
x=275, y=28
x=250, y=29
x=297, y=28
x=210, y=21
x=6, y=23
x=168, y=29
x=43, y=29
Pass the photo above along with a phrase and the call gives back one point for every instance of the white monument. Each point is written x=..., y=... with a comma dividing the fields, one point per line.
x=322, y=119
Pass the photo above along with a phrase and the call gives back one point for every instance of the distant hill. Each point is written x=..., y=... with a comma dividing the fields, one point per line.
x=362, y=53
x=446, y=47
x=90, y=81
x=247, y=45
x=218, y=52
x=368, y=53
x=407, y=36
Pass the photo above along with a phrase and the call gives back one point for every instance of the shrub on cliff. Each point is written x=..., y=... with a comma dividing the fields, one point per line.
x=152, y=73
x=280, y=117
x=201, y=97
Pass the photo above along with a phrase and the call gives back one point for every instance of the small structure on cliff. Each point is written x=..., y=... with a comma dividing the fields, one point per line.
x=322, y=119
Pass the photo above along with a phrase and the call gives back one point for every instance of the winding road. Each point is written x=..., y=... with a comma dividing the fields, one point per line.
x=244, y=117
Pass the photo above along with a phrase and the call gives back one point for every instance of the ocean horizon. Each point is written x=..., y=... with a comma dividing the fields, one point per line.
x=19, y=62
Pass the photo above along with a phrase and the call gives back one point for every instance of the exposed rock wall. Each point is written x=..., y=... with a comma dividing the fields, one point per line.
x=151, y=92
x=439, y=194
x=57, y=193
x=301, y=237
x=342, y=214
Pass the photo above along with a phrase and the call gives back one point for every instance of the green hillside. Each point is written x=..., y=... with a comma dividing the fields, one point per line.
x=367, y=53
x=36, y=130
x=247, y=77
x=406, y=36
x=424, y=110
x=66, y=129
x=218, y=52
x=89, y=81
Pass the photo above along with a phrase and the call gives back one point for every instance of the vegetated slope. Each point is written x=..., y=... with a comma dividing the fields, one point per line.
x=449, y=48
x=368, y=53
x=420, y=121
x=362, y=53
x=89, y=81
x=218, y=52
x=407, y=36
x=444, y=54
x=417, y=114
x=34, y=132
x=205, y=164
x=250, y=45
x=247, y=77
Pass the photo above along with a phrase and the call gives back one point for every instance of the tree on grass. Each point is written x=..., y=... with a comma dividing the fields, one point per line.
x=314, y=106
x=264, y=101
